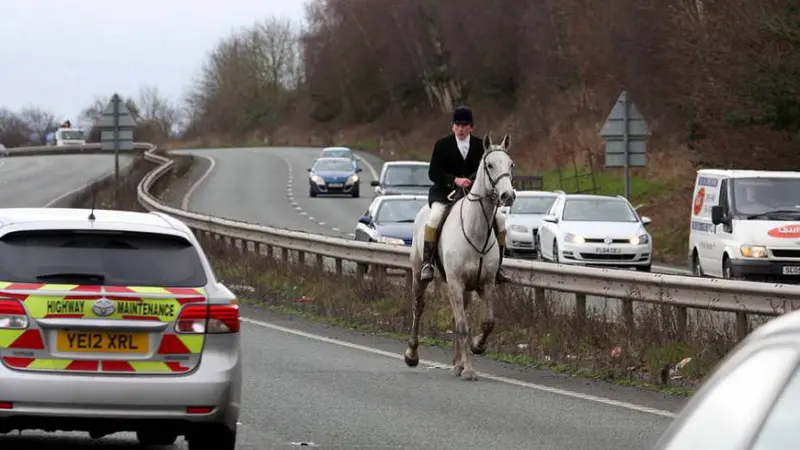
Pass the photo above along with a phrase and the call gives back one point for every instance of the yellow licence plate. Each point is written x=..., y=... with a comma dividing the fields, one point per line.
x=102, y=342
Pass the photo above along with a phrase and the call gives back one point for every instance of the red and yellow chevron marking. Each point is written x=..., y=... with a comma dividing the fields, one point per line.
x=69, y=365
x=57, y=300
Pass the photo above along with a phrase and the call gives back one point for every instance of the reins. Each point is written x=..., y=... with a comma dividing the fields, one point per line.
x=471, y=197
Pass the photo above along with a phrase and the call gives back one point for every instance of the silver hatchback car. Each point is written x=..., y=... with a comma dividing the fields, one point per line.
x=114, y=321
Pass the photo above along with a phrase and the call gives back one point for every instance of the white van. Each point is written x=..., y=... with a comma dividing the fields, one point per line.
x=745, y=224
x=70, y=136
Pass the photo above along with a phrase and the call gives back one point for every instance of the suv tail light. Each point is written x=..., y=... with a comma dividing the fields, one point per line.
x=209, y=319
x=13, y=315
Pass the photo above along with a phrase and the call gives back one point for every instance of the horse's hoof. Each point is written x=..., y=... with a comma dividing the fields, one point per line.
x=411, y=358
x=457, y=369
x=477, y=350
x=469, y=375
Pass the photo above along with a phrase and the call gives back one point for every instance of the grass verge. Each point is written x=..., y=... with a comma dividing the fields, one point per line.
x=550, y=337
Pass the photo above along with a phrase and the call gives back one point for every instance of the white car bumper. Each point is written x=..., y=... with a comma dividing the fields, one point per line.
x=519, y=242
x=614, y=255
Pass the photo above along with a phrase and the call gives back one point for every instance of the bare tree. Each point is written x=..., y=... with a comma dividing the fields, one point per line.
x=38, y=121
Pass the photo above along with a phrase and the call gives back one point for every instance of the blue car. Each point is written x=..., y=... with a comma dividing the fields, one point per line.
x=390, y=219
x=334, y=176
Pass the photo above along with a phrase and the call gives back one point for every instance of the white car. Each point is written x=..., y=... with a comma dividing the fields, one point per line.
x=524, y=219
x=596, y=230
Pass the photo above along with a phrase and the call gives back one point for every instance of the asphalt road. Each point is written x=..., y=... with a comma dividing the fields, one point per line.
x=336, y=389
x=35, y=181
x=270, y=186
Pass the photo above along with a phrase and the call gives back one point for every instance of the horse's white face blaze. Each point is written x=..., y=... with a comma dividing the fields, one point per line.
x=497, y=164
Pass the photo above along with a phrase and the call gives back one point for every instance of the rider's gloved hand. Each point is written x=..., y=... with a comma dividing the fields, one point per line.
x=463, y=182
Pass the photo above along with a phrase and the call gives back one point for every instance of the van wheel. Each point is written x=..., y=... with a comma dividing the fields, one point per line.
x=697, y=270
x=727, y=272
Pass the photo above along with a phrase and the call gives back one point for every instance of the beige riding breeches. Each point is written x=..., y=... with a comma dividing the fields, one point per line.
x=437, y=211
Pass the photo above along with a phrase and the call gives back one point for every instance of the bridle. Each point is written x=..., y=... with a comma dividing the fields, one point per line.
x=494, y=197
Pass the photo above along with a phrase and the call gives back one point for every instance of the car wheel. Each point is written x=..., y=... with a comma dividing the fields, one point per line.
x=213, y=437
x=156, y=438
x=356, y=193
x=555, y=252
x=643, y=268
x=311, y=192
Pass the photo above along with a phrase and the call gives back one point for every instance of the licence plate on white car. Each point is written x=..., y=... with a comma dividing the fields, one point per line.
x=791, y=270
x=336, y=185
x=607, y=250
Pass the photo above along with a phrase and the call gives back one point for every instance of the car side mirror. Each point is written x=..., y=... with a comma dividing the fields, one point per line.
x=365, y=220
x=550, y=218
x=308, y=170
x=375, y=183
x=646, y=220
x=716, y=214
x=359, y=169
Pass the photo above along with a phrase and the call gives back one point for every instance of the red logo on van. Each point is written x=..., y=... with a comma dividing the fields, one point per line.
x=786, y=232
x=698, y=200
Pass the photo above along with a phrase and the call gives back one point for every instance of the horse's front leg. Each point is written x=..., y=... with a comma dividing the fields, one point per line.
x=458, y=366
x=418, y=298
x=487, y=293
x=456, y=293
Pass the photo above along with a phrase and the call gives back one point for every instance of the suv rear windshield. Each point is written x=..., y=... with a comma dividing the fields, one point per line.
x=117, y=258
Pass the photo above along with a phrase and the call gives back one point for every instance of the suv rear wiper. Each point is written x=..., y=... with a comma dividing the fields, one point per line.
x=76, y=276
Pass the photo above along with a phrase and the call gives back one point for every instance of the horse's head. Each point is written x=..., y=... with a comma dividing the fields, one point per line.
x=495, y=171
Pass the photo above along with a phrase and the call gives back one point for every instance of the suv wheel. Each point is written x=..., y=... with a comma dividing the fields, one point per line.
x=212, y=437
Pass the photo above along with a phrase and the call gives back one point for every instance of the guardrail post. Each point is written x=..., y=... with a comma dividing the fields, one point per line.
x=580, y=308
x=627, y=313
x=742, y=327
x=320, y=261
x=409, y=280
x=285, y=254
x=301, y=258
x=682, y=320
x=361, y=269
x=339, y=268
x=539, y=299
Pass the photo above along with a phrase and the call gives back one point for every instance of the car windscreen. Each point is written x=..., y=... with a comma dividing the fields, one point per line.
x=333, y=166
x=532, y=205
x=416, y=175
x=336, y=154
x=119, y=258
x=73, y=135
x=398, y=210
x=598, y=210
x=760, y=197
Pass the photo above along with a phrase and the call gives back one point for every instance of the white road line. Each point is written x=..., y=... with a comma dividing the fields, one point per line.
x=370, y=167
x=321, y=223
x=311, y=218
x=335, y=229
x=212, y=163
x=538, y=387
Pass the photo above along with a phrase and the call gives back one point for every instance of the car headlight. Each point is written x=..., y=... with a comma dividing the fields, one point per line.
x=753, y=251
x=391, y=240
x=520, y=229
x=317, y=179
x=353, y=179
x=573, y=238
x=640, y=240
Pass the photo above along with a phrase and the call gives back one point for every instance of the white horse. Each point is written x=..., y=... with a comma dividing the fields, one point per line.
x=468, y=253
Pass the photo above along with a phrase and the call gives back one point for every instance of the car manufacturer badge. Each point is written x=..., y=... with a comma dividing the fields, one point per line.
x=608, y=240
x=104, y=307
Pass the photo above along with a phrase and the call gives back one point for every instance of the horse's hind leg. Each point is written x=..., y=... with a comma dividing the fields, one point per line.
x=456, y=296
x=487, y=293
x=458, y=366
x=418, y=297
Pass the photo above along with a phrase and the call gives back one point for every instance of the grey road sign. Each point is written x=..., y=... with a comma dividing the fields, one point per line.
x=626, y=134
x=116, y=130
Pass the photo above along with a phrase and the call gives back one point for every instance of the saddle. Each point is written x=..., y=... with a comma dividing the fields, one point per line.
x=437, y=260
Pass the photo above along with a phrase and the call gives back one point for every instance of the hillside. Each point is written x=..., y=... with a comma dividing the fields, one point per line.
x=716, y=80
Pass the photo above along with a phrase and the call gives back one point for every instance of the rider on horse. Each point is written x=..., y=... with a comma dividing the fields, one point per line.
x=454, y=164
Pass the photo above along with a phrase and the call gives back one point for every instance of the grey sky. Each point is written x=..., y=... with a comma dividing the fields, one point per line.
x=60, y=54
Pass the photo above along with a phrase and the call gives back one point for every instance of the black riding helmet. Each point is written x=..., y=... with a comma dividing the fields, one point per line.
x=462, y=115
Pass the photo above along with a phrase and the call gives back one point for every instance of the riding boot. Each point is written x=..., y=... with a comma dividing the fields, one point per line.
x=501, y=277
x=426, y=272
